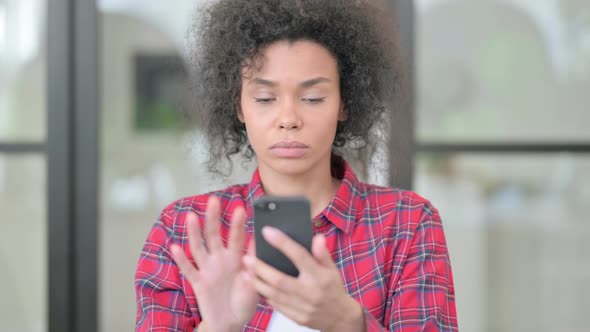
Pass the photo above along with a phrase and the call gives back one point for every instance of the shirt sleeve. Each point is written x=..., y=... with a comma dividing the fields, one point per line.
x=161, y=301
x=423, y=298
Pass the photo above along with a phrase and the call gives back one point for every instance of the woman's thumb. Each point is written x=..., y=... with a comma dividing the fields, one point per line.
x=320, y=250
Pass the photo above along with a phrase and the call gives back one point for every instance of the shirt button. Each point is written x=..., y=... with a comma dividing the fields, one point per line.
x=318, y=223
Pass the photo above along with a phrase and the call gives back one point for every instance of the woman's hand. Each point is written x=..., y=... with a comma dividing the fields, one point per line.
x=226, y=299
x=316, y=298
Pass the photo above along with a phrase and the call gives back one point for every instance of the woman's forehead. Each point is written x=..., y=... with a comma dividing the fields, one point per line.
x=298, y=59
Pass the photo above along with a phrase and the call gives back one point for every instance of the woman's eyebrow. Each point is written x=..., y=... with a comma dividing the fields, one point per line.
x=314, y=81
x=261, y=81
x=304, y=84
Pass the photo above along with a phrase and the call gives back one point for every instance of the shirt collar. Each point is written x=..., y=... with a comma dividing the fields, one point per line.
x=343, y=208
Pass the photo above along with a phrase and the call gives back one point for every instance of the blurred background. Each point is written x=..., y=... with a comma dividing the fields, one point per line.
x=93, y=146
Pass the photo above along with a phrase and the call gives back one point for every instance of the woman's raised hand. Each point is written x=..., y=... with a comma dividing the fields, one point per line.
x=225, y=298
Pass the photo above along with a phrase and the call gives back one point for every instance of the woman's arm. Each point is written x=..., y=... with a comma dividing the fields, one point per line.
x=422, y=299
x=161, y=302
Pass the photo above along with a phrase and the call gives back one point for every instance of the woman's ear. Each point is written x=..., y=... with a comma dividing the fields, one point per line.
x=239, y=112
x=342, y=115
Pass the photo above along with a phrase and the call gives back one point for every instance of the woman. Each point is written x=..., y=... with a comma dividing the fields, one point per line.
x=295, y=82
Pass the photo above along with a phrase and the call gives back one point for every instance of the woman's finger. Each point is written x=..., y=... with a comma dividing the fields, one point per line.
x=291, y=311
x=291, y=302
x=195, y=241
x=269, y=275
x=237, y=233
x=187, y=268
x=212, y=225
x=321, y=253
x=252, y=247
x=300, y=257
x=268, y=291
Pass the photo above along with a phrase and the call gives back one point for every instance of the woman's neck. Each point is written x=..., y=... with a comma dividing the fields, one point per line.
x=317, y=185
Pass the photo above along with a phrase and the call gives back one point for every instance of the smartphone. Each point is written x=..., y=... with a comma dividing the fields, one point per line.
x=292, y=216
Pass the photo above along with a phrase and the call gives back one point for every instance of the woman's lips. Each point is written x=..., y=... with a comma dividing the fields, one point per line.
x=289, y=149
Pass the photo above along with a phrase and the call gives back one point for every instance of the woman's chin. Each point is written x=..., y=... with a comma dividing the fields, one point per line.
x=290, y=166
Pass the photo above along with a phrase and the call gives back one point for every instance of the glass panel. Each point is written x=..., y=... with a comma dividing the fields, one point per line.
x=503, y=70
x=23, y=244
x=517, y=230
x=22, y=70
x=148, y=159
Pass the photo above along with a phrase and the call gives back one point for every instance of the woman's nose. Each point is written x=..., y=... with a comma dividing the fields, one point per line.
x=289, y=117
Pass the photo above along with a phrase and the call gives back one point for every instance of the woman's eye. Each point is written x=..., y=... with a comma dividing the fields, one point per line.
x=314, y=100
x=264, y=100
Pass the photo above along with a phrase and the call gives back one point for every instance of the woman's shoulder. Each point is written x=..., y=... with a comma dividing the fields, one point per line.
x=396, y=204
x=230, y=198
x=392, y=195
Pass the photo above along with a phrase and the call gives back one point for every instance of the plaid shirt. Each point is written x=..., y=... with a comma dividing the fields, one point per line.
x=388, y=244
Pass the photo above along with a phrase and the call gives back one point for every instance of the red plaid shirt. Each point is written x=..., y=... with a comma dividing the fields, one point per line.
x=388, y=244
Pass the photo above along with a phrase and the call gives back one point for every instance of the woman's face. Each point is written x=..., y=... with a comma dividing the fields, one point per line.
x=291, y=106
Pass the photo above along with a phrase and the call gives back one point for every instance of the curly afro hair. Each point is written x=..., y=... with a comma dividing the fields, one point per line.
x=229, y=35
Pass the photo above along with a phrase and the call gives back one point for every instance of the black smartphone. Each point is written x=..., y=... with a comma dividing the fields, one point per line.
x=292, y=216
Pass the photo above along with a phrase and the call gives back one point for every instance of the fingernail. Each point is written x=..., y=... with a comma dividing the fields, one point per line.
x=269, y=231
